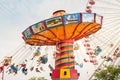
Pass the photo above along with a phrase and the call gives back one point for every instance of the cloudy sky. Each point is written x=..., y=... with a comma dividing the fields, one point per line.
x=17, y=15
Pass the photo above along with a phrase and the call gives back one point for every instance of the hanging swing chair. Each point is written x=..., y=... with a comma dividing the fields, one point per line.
x=92, y=2
x=1, y=68
x=7, y=61
x=24, y=70
x=43, y=59
x=98, y=50
x=37, y=53
x=76, y=47
x=13, y=69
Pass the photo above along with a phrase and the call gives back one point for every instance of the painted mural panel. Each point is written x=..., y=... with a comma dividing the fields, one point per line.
x=36, y=28
x=98, y=19
x=53, y=22
x=27, y=33
x=72, y=18
x=88, y=17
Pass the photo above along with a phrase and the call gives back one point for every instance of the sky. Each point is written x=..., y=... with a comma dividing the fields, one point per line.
x=17, y=15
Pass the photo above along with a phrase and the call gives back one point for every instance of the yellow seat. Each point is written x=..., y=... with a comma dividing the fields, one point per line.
x=8, y=60
x=37, y=54
x=76, y=47
x=111, y=45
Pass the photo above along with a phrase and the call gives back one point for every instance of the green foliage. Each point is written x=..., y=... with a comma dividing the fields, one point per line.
x=110, y=73
x=39, y=78
x=33, y=78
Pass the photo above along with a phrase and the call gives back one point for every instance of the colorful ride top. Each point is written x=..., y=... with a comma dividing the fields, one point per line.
x=62, y=30
x=58, y=28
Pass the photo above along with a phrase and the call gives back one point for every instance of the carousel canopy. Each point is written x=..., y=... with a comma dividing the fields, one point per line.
x=61, y=27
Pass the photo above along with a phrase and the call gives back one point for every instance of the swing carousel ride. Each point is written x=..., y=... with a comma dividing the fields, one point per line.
x=55, y=42
x=62, y=30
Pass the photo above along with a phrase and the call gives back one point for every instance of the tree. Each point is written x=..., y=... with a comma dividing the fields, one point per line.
x=39, y=78
x=109, y=73
x=33, y=78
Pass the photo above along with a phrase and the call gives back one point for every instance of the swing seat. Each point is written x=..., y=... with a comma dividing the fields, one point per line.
x=97, y=52
x=92, y=2
x=8, y=60
x=37, y=54
x=85, y=60
x=44, y=60
x=24, y=70
x=93, y=61
x=1, y=68
x=23, y=65
x=89, y=10
x=14, y=68
x=87, y=45
x=111, y=45
x=6, y=64
x=76, y=48
x=31, y=69
x=81, y=65
x=89, y=53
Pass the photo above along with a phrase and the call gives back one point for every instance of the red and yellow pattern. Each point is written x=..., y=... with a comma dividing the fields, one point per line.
x=64, y=60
